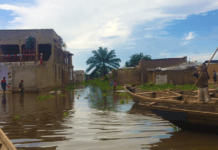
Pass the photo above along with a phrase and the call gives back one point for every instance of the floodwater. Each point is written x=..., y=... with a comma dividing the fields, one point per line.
x=93, y=122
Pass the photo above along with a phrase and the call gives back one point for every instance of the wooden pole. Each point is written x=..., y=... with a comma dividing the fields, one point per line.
x=199, y=77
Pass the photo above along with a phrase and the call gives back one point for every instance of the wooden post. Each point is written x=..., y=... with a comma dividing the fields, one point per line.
x=154, y=77
x=20, y=51
x=37, y=52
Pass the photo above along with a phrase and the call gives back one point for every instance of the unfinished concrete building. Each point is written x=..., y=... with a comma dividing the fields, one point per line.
x=55, y=69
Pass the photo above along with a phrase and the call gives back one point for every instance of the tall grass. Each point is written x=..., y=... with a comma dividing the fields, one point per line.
x=152, y=87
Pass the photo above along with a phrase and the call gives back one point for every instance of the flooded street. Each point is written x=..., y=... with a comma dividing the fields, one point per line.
x=84, y=120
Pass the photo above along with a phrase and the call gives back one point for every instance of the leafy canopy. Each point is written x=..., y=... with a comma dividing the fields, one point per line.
x=102, y=62
x=134, y=59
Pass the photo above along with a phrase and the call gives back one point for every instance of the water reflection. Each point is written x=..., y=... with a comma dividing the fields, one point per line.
x=40, y=122
x=94, y=121
x=21, y=100
x=4, y=102
x=187, y=140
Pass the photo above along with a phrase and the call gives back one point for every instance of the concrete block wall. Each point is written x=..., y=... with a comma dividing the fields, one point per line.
x=26, y=73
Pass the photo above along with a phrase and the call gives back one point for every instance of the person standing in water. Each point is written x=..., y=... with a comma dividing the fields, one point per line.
x=3, y=84
x=21, y=87
x=214, y=77
x=115, y=85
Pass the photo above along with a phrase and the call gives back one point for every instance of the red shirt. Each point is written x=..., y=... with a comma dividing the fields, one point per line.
x=3, y=80
x=115, y=84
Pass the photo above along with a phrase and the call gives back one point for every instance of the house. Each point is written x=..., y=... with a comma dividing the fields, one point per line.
x=42, y=65
x=155, y=63
x=140, y=73
x=79, y=76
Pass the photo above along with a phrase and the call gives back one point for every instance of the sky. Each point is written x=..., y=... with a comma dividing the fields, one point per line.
x=159, y=28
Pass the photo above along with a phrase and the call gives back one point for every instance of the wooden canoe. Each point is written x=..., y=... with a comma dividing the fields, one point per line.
x=164, y=97
x=5, y=143
x=200, y=117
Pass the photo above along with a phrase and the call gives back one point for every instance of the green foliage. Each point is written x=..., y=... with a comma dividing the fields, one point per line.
x=65, y=114
x=55, y=88
x=124, y=95
x=119, y=87
x=102, y=62
x=106, y=77
x=134, y=59
x=104, y=94
x=152, y=87
x=63, y=95
x=175, y=127
x=122, y=101
x=44, y=97
x=16, y=117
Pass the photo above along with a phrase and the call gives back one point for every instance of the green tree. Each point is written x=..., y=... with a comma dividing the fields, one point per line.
x=134, y=59
x=103, y=61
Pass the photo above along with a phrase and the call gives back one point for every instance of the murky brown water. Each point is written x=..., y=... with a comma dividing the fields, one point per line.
x=93, y=123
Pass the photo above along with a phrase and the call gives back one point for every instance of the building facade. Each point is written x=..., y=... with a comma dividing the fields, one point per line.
x=154, y=63
x=55, y=68
x=79, y=76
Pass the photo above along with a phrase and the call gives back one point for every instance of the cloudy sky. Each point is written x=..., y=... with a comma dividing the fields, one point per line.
x=160, y=28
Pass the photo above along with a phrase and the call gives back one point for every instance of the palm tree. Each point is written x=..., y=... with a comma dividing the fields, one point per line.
x=103, y=62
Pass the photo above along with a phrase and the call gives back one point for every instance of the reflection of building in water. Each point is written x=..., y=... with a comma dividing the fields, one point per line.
x=41, y=115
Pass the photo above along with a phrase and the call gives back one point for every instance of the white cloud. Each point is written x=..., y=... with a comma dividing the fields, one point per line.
x=89, y=24
x=204, y=14
x=190, y=36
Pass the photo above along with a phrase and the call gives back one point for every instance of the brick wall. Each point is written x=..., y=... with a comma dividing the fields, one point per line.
x=179, y=77
x=144, y=64
x=126, y=76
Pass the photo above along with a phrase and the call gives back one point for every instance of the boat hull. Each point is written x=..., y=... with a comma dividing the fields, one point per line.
x=204, y=121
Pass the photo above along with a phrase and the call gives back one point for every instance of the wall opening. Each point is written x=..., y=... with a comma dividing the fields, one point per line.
x=55, y=73
x=46, y=50
x=59, y=72
x=28, y=50
x=9, y=50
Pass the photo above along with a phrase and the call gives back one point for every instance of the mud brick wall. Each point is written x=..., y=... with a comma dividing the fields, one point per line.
x=127, y=76
x=179, y=77
x=210, y=69
x=145, y=64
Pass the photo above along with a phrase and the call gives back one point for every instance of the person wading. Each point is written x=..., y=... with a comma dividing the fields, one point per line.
x=21, y=89
x=203, y=94
x=3, y=84
x=115, y=85
x=214, y=77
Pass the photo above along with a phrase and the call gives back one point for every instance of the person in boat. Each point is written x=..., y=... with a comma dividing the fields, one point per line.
x=215, y=76
x=3, y=84
x=203, y=94
x=21, y=89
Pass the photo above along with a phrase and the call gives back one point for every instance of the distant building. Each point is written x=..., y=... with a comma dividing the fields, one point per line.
x=158, y=63
x=79, y=76
x=55, y=70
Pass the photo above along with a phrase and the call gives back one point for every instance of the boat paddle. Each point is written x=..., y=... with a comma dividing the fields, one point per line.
x=199, y=77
